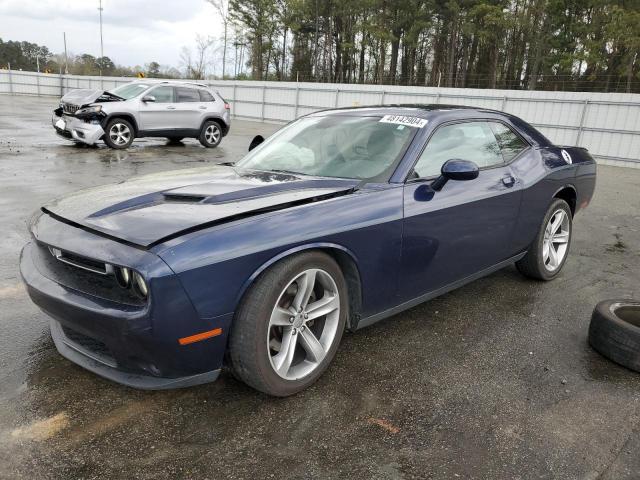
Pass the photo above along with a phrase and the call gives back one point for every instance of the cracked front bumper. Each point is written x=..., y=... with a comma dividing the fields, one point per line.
x=75, y=129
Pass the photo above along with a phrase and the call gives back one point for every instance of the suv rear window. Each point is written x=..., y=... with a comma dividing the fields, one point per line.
x=206, y=96
x=187, y=94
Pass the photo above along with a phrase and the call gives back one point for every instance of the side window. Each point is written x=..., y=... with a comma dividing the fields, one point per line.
x=187, y=94
x=206, y=96
x=510, y=143
x=163, y=94
x=472, y=141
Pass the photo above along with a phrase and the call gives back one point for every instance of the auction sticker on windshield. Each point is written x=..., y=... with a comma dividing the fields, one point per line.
x=404, y=120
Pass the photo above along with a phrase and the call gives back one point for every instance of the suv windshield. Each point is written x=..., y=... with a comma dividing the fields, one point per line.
x=129, y=90
x=333, y=146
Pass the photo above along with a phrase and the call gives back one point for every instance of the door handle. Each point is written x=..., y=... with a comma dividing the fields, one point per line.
x=202, y=107
x=171, y=108
x=508, y=181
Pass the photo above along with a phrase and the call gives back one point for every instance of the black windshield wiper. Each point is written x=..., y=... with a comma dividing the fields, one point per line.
x=287, y=172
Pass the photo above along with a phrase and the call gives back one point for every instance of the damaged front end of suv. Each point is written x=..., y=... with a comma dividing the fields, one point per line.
x=80, y=116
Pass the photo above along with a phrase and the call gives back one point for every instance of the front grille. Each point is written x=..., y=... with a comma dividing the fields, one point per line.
x=96, y=348
x=83, y=279
x=70, y=108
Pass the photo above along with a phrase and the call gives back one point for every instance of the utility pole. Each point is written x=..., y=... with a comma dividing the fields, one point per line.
x=101, y=43
x=66, y=69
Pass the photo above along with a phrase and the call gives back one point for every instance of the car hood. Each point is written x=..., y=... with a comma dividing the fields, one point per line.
x=153, y=208
x=84, y=96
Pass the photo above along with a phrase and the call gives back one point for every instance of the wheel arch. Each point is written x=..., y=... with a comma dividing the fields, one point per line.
x=125, y=116
x=569, y=194
x=216, y=118
x=346, y=260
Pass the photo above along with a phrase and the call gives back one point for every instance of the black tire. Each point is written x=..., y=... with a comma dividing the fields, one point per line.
x=615, y=332
x=115, y=142
x=248, y=354
x=211, y=134
x=533, y=263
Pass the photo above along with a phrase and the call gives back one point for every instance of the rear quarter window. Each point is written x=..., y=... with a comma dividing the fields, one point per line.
x=206, y=96
x=510, y=143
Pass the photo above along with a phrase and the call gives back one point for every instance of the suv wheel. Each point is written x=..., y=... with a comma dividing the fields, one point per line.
x=119, y=133
x=211, y=134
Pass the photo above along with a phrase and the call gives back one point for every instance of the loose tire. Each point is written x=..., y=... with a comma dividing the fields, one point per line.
x=211, y=134
x=615, y=331
x=550, y=249
x=119, y=133
x=289, y=324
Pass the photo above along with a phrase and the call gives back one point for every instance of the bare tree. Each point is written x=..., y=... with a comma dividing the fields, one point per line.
x=186, y=60
x=222, y=6
x=202, y=60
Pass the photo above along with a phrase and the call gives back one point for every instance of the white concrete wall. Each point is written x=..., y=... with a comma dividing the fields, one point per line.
x=608, y=124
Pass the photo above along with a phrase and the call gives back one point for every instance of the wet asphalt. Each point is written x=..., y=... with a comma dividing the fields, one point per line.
x=494, y=380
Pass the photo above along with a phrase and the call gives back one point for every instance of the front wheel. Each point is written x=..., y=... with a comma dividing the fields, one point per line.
x=119, y=133
x=289, y=325
x=548, y=252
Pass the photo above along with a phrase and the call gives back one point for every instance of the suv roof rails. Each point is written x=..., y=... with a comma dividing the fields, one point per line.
x=181, y=82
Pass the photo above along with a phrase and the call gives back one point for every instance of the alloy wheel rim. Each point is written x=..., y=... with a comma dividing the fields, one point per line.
x=119, y=133
x=212, y=133
x=556, y=240
x=303, y=324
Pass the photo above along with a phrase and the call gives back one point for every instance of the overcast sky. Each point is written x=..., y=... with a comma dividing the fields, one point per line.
x=135, y=31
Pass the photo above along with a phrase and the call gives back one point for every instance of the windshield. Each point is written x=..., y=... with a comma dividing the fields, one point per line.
x=129, y=90
x=332, y=146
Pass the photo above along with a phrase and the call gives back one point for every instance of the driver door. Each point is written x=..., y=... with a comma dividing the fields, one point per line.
x=467, y=226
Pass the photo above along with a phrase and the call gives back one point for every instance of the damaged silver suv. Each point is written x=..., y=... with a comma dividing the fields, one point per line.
x=170, y=109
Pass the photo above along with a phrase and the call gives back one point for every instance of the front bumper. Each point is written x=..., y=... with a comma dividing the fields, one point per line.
x=135, y=345
x=100, y=364
x=76, y=129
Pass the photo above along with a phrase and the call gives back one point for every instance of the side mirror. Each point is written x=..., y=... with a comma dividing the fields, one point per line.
x=455, y=169
x=257, y=140
x=148, y=98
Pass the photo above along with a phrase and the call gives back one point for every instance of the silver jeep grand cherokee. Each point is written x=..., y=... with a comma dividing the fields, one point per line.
x=170, y=109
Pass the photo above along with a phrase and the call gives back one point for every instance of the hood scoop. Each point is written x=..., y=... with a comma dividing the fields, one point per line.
x=218, y=193
x=182, y=198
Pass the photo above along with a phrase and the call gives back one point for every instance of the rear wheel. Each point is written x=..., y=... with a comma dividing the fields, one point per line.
x=548, y=252
x=119, y=133
x=211, y=134
x=289, y=325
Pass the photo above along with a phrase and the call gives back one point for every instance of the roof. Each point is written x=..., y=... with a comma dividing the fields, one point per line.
x=413, y=109
x=441, y=112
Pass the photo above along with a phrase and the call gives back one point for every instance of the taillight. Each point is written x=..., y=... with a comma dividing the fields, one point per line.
x=227, y=106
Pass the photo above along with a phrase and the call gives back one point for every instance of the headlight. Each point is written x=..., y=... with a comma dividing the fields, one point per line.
x=128, y=278
x=89, y=110
x=139, y=285
x=123, y=276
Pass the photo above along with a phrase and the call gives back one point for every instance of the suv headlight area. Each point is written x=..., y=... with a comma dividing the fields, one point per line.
x=92, y=110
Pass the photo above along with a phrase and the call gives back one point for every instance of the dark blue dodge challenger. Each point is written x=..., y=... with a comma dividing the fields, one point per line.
x=342, y=218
